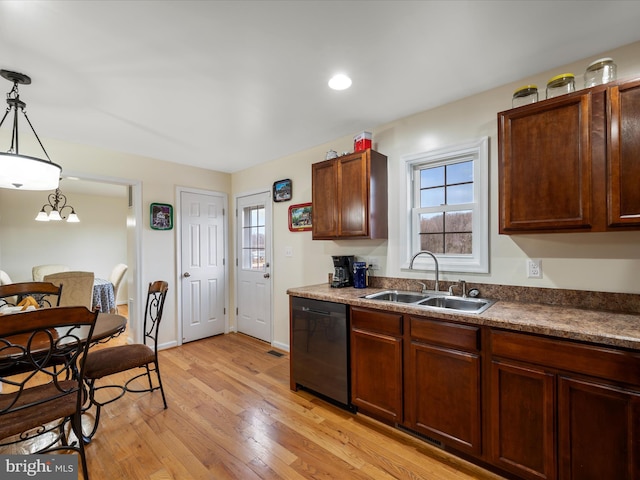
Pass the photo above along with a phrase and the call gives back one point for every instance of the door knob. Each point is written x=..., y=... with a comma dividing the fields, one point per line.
x=186, y=274
x=266, y=275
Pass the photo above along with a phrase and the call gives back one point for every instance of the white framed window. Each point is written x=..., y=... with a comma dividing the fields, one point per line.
x=448, y=208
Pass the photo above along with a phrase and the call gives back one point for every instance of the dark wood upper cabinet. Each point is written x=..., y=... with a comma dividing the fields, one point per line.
x=571, y=163
x=349, y=197
x=624, y=154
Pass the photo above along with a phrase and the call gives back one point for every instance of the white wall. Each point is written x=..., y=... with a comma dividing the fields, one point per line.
x=593, y=261
x=96, y=244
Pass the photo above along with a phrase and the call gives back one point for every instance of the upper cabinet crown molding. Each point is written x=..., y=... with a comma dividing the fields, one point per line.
x=349, y=197
x=571, y=163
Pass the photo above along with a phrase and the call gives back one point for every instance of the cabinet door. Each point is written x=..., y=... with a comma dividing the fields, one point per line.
x=353, y=196
x=624, y=155
x=522, y=421
x=376, y=382
x=545, y=166
x=376, y=363
x=445, y=395
x=599, y=431
x=324, y=199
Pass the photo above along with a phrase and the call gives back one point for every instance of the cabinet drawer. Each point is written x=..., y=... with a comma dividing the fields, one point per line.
x=377, y=321
x=603, y=362
x=464, y=337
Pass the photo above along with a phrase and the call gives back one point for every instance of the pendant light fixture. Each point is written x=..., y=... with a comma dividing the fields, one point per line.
x=21, y=171
x=57, y=204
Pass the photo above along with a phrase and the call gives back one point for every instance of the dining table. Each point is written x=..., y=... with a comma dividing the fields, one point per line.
x=103, y=295
x=107, y=326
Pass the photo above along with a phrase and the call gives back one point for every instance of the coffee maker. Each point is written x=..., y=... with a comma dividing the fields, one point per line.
x=342, y=271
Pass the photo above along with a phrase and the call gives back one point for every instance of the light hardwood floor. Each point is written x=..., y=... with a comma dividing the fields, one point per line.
x=232, y=415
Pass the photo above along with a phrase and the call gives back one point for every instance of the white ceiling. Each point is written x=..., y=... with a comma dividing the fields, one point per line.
x=226, y=85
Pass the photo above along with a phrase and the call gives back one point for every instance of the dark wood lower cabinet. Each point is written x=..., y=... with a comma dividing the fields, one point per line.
x=533, y=407
x=522, y=422
x=564, y=409
x=599, y=431
x=446, y=395
x=376, y=363
x=442, y=383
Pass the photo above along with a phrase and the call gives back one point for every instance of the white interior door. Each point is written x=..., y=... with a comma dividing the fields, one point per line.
x=202, y=260
x=254, y=310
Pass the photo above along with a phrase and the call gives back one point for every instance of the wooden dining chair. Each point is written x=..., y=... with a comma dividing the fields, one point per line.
x=38, y=272
x=78, y=287
x=46, y=294
x=42, y=364
x=5, y=279
x=116, y=277
x=110, y=360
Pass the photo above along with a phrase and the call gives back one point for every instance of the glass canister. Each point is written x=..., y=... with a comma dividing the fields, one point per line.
x=561, y=84
x=360, y=274
x=600, y=72
x=525, y=95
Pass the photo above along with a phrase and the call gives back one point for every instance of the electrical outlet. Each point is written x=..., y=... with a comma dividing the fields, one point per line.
x=534, y=268
x=288, y=252
x=372, y=264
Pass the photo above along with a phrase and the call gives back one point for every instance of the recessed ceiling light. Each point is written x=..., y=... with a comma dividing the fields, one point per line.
x=340, y=82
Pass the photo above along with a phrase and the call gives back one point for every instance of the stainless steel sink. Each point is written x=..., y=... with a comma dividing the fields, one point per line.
x=433, y=301
x=469, y=305
x=397, y=296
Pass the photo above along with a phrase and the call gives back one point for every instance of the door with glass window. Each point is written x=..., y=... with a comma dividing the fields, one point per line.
x=254, y=313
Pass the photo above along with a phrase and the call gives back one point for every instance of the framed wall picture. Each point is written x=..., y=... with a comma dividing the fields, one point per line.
x=300, y=217
x=282, y=190
x=161, y=216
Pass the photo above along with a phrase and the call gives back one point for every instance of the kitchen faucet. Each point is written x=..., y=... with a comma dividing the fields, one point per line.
x=427, y=252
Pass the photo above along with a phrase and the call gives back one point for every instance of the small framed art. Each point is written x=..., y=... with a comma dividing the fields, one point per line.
x=161, y=216
x=300, y=217
x=282, y=190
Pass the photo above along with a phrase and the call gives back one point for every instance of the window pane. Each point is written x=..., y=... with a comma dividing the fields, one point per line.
x=432, y=242
x=254, y=239
x=459, y=221
x=458, y=194
x=458, y=243
x=253, y=232
x=431, y=223
x=432, y=197
x=246, y=258
x=257, y=259
x=460, y=172
x=431, y=177
x=260, y=237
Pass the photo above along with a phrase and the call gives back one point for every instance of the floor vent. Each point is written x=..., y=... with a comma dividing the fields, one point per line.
x=275, y=354
x=432, y=441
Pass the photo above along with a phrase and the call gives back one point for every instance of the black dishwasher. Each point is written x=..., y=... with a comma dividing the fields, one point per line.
x=320, y=348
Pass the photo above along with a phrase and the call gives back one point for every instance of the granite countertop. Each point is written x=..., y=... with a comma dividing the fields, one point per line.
x=587, y=325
